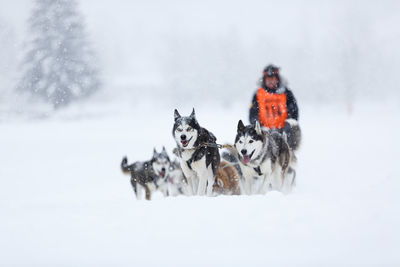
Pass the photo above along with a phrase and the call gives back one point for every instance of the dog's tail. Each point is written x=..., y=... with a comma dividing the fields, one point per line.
x=294, y=134
x=124, y=165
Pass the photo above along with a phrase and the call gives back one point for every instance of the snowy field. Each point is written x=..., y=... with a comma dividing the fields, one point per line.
x=65, y=202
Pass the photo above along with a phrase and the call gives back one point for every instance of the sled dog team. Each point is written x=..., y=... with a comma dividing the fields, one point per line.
x=260, y=160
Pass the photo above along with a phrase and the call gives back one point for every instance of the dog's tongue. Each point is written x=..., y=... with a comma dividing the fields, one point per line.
x=185, y=143
x=246, y=159
x=162, y=174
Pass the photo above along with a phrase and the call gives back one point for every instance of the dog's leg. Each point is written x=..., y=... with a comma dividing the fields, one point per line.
x=190, y=177
x=171, y=189
x=164, y=190
x=192, y=184
x=195, y=181
x=258, y=184
x=210, y=181
x=134, y=186
x=249, y=185
x=293, y=184
x=148, y=192
x=288, y=181
x=151, y=186
x=186, y=189
x=266, y=184
x=285, y=187
x=246, y=180
x=201, y=189
x=245, y=185
x=174, y=190
x=241, y=187
x=267, y=176
x=138, y=191
x=276, y=179
x=206, y=181
x=188, y=186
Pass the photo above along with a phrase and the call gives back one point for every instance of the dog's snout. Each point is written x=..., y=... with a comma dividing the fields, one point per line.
x=183, y=137
x=163, y=169
x=243, y=151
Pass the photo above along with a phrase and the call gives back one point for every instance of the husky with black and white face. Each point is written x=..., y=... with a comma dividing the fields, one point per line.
x=266, y=158
x=198, y=151
x=257, y=155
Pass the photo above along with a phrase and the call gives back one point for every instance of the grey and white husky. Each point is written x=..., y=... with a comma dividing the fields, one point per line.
x=257, y=154
x=177, y=183
x=198, y=152
x=265, y=159
x=149, y=175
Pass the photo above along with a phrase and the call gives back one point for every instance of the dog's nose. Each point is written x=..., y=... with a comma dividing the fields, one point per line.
x=183, y=137
x=163, y=169
x=244, y=151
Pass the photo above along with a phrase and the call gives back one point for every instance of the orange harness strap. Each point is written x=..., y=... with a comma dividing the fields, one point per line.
x=273, y=110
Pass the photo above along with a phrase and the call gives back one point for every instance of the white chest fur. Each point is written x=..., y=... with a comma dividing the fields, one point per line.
x=197, y=173
x=252, y=181
x=195, y=166
x=248, y=172
x=187, y=154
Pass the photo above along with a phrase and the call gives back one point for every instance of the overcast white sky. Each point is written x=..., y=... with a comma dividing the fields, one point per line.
x=145, y=41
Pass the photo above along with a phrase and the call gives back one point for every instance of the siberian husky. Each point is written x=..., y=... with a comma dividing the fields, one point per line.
x=198, y=151
x=149, y=175
x=257, y=154
x=265, y=159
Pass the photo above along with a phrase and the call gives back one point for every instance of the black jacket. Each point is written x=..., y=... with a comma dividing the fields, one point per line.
x=291, y=104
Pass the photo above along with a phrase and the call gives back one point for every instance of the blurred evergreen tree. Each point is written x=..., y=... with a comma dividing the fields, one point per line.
x=59, y=65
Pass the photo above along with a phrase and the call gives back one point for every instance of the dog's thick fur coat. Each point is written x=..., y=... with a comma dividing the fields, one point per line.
x=265, y=158
x=198, y=152
x=150, y=175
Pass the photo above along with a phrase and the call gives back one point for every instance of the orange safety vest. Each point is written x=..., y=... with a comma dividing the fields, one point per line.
x=272, y=109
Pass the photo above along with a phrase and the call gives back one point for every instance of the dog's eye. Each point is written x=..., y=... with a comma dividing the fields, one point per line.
x=251, y=141
x=179, y=130
x=240, y=142
x=189, y=129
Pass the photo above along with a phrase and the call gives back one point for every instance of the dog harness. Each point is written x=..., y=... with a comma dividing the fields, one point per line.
x=258, y=170
x=272, y=109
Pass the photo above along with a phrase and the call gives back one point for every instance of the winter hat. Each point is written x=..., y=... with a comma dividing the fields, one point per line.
x=271, y=70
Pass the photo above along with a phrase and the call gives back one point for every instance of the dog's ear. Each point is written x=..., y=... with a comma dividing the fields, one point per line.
x=164, y=151
x=154, y=151
x=240, y=127
x=175, y=151
x=193, y=114
x=176, y=115
x=257, y=127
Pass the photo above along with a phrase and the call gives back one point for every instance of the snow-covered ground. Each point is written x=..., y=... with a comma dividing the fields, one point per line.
x=64, y=200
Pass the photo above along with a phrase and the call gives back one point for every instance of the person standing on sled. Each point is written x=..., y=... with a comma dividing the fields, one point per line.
x=275, y=106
